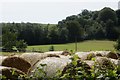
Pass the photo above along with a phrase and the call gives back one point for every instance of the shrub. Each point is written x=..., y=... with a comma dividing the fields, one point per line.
x=117, y=46
x=21, y=46
x=51, y=48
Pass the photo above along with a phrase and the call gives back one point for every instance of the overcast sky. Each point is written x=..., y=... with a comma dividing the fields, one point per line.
x=48, y=11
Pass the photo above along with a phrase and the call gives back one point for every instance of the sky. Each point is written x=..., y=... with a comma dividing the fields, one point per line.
x=48, y=11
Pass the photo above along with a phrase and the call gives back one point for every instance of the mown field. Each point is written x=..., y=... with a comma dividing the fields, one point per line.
x=90, y=45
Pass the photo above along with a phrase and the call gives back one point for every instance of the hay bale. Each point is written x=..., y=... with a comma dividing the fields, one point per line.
x=82, y=55
x=54, y=52
x=103, y=53
x=66, y=57
x=79, y=64
x=53, y=64
x=104, y=62
x=90, y=56
x=8, y=73
x=53, y=55
x=65, y=53
x=16, y=62
x=112, y=55
x=32, y=58
x=90, y=63
x=2, y=58
x=116, y=62
x=98, y=54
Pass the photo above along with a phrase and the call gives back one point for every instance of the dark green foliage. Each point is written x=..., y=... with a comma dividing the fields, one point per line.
x=118, y=16
x=76, y=70
x=106, y=14
x=21, y=46
x=117, y=46
x=79, y=70
x=9, y=41
x=51, y=48
x=102, y=24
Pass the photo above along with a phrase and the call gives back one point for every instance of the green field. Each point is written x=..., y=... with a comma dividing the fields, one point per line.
x=82, y=46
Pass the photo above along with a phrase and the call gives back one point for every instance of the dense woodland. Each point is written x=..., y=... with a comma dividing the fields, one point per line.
x=88, y=25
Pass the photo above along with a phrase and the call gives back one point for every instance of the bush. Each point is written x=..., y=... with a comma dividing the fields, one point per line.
x=117, y=46
x=51, y=48
x=21, y=46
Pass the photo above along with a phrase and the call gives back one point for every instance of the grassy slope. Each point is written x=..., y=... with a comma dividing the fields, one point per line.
x=82, y=46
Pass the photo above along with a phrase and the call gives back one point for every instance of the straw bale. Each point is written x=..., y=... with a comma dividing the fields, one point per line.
x=16, y=62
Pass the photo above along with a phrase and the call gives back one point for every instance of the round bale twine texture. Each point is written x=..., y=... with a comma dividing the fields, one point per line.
x=53, y=64
x=2, y=58
x=53, y=55
x=65, y=53
x=105, y=62
x=98, y=54
x=82, y=55
x=32, y=58
x=17, y=62
x=112, y=55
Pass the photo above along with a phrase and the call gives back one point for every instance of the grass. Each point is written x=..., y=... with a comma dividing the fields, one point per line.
x=82, y=46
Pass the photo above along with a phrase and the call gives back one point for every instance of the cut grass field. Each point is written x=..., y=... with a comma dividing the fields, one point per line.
x=90, y=45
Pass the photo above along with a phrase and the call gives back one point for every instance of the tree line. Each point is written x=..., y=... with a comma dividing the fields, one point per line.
x=88, y=25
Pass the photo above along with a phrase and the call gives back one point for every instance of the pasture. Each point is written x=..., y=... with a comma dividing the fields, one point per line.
x=90, y=45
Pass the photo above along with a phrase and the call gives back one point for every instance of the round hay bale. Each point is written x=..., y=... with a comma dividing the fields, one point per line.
x=2, y=58
x=53, y=64
x=32, y=58
x=7, y=72
x=90, y=56
x=98, y=54
x=54, y=52
x=90, y=63
x=104, y=62
x=53, y=55
x=112, y=55
x=82, y=55
x=103, y=53
x=66, y=57
x=80, y=63
x=65, y=53
x=16, y=62
x=116, y=62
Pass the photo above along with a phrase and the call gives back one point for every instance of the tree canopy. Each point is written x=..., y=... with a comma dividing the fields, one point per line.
x=102, y=24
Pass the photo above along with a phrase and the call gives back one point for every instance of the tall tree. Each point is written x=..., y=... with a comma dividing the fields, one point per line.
x=107, y=14
x=118, y=16
x=74, y=30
